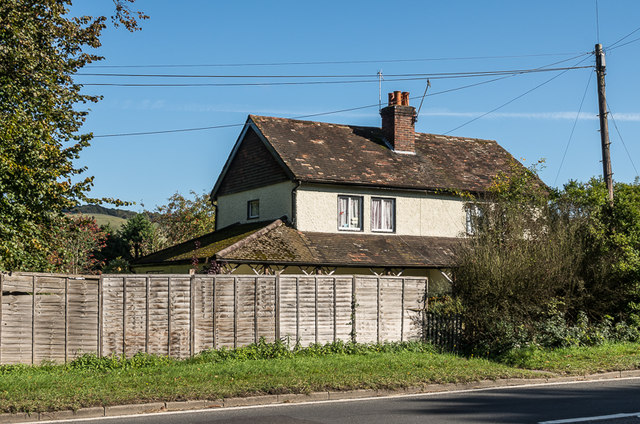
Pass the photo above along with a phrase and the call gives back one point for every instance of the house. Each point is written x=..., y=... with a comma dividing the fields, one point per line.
x=312, y=197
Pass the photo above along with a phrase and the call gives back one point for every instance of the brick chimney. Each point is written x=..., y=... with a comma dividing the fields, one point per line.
x=398, y=123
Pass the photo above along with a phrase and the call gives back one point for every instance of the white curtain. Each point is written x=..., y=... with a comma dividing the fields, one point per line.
x=387, y=214
x=354, y=212
x=343, y=212
x=376, y=215
x=382, y=214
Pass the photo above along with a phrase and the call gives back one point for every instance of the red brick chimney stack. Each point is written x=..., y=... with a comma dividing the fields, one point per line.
x=398, y=123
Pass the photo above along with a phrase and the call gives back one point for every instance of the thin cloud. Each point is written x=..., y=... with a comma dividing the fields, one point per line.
x=631, y=117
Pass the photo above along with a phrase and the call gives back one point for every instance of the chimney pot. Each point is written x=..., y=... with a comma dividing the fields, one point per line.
x=405, y=98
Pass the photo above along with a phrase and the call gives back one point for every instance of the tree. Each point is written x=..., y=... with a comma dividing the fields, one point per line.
x=78, y=243
x=523, y=258
x=41, y=47
x=611, y=266
x=183, y=219
x=140, y=236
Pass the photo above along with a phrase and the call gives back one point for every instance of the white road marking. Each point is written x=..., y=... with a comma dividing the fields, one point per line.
x=587, y=419
x=278, y=405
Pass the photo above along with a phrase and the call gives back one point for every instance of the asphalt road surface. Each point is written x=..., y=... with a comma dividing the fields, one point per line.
x=610, y=402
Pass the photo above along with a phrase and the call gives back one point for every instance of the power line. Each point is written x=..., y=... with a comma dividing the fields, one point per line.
x=512, y=100
x=310, y=115
x=624, y=44
x=167, y=131
x=623, y=38
x=269, y=83
x=295, y=117
x=622, y=139
x=433, y=75
x=566, y=149
x=335, y=62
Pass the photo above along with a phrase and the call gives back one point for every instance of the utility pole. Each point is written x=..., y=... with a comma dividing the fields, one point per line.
x=607, y=174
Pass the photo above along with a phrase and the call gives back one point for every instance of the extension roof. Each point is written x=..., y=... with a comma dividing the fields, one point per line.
x=277, y=243
x=321, y=152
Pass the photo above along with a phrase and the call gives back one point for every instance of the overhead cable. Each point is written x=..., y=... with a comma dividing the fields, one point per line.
x=573, y=128
x=334, y=62
x=622, y=140
x=512, y=100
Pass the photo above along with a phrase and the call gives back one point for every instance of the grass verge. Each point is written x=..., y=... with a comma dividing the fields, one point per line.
x=265, y=369
x=577, y=360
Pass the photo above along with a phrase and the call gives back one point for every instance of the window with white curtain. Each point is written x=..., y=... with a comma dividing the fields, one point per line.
x=383, y=214
x=474, y=214
x=350, y=213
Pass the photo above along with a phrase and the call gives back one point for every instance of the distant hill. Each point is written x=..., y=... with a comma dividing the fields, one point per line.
x=101, y=210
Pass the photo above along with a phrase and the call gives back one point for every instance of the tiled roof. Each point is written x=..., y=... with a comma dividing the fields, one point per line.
x=204, y=246
x=333, y=153
x=279, y=243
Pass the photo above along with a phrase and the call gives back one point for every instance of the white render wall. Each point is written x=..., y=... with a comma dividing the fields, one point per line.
x=275, y=202
x=417, y=213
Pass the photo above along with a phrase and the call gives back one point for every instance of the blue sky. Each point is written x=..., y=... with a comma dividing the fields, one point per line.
x=421, y=37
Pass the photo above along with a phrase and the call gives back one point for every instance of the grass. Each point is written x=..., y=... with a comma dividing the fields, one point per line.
x=578, y=360
x=91, y=381
x=103, y=219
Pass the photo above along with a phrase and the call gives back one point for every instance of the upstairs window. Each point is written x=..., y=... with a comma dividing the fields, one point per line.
x=253, y=209
x=383, y=214
x=350, y=213
x=474, y=214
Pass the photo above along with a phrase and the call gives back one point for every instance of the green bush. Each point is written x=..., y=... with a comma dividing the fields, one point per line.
x=550, y=269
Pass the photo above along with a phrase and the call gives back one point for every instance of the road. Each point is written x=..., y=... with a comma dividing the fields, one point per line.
x=563, y=403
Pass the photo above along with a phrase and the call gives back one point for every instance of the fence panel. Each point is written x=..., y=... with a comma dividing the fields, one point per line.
x=49, y=323
x=203, y=313
x=58, y=317
x=17, y=320
x=415, y=291
x=82, y=317
x=366, y=309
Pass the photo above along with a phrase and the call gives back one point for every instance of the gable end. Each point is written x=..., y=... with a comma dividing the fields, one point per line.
x=252, y=166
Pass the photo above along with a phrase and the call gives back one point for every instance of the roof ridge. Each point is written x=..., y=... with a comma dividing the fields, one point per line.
x=449, y=137
x=250, y=238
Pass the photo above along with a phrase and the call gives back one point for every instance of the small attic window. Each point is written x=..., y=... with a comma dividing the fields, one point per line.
x=253, y=209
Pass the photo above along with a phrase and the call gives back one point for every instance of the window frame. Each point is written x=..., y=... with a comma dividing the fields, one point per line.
x=393, y=214
x=249, y=211
x=360, y=211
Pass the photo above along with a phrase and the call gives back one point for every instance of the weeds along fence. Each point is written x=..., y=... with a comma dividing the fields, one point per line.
x=46, y=317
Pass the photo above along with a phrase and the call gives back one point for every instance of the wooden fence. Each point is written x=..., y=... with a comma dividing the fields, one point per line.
x=58, y=317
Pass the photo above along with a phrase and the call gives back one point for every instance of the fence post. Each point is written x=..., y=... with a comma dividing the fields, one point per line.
x=66, y=319
x=402, y=313
x=168, y=316
x=335, y=309
x=378, y=310
x=213, y=312
x=297, y=309
x=354, y=337
x=33, y=320
x=315, y=279
x=146, y=325
x=100, y=312
x=277, y=306
x=124, y=316
x=235, y=312
x=192, y=315
x=255, y=310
